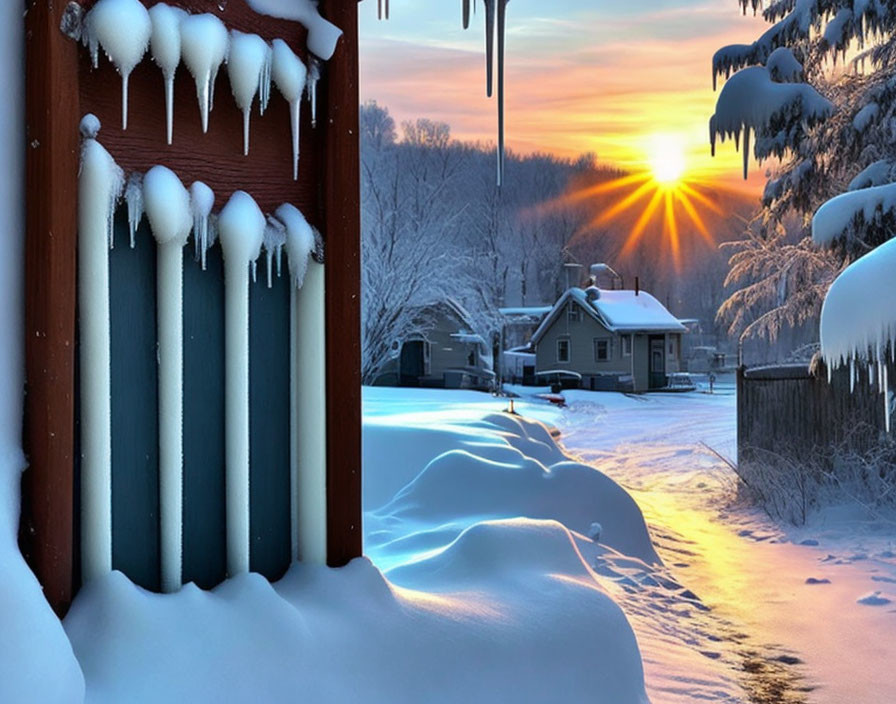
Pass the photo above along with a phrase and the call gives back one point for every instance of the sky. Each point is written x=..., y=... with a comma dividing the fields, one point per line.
x=617, y=78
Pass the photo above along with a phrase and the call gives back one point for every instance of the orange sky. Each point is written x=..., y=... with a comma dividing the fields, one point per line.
x=583, y=79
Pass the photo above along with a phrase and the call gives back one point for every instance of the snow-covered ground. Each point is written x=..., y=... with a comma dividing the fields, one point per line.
x=501, y=569
x=741, y=610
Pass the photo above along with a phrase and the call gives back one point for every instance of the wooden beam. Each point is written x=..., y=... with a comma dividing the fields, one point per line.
x=342, y=231
x=52, y=116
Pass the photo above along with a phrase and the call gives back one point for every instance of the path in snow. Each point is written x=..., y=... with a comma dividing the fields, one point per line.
x=744, y=610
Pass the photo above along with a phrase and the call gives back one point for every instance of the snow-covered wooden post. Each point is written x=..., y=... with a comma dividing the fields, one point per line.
x=99, y=187
x=241, y=230
x=308, y=397
x=167, y=205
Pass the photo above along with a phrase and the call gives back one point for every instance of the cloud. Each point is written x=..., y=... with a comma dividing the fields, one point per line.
x=580, y=80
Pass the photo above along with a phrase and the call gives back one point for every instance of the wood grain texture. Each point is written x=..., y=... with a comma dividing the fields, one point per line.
x=215, y=157
x=342, y=225
x=52, y=114
x=61, y=87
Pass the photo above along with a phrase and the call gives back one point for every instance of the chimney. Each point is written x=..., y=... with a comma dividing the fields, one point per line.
x=637, y=286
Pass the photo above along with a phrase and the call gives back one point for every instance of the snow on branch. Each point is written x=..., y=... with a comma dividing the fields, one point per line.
x=846, y=215
x=858, y=319
x=778, y=113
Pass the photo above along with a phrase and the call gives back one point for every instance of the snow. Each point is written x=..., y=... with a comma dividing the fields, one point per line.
x=122, y=28
x=249, y=69
x=783, y=66
x=165, y=46
x=241, y=233
x=875, y=174
x=322, y=35
x=619, y=310
x=866, y=116
x=99, y=186
x=858, y=321
x=750, y=101
x=204, y=43
x=308, y=373
x=168, y=210
x=299, y=241
x=202, y=200
x=36, y=659
x=844, y=215
x=290, y=75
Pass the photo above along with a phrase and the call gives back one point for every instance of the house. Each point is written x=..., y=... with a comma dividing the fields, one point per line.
x=445, y=353
x=615, y=339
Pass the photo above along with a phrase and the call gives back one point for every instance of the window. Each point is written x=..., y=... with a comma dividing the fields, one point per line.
x=573, y=314
x=601, y=350
x=626, y=345
x=563, y=350
x=673, y=348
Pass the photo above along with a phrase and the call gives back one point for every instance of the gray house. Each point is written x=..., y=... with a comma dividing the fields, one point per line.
x=616, y=340
x=445, y=354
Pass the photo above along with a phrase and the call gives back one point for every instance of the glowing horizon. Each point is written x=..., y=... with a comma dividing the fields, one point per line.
x=580, y=80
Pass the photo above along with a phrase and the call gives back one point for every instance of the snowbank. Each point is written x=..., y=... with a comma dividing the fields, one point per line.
x=489, y=592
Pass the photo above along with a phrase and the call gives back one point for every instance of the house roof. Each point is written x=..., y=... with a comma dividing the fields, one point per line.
x=618, y=311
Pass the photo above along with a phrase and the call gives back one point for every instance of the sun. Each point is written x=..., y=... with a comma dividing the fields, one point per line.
x=666, y=159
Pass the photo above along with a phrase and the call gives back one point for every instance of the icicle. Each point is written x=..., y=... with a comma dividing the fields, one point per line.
x=290, y=75
x=489, y=44
x=886, y=391
x=264, y=87
x=246, y=66
x=311, y=86
x=122, y=28
x=164, y=45
x=100, y=182
x=241, y=230
x=502, y=8
x=133, y=196
x=204, y=41
x=202, y=199
x=852, y=374
x=307, y=390
x=746, y=150
x=466, y=13
x=274, y=239
x=170, y=218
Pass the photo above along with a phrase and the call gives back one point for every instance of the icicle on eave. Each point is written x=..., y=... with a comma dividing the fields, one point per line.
x=103, y=27
x=204, y=44
x=290, y=75
x=133, y=196
x=99, y=186
x=202, y=199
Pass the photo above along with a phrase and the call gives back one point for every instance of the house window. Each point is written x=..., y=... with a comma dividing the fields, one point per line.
x=563, y=350
x=601, y=350
x=573, y=314
x=626, y=345
x=673, y=352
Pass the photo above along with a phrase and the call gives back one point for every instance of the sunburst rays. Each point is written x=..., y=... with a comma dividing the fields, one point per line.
x=671, y=209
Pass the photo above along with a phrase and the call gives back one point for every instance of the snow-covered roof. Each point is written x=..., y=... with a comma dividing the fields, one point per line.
x=525, y=311
x=618, y=311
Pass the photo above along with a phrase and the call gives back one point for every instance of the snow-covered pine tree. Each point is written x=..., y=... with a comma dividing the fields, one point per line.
x=817, y=93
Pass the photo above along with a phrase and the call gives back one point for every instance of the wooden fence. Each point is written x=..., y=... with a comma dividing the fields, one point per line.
x=61, y=86
x=787, y=415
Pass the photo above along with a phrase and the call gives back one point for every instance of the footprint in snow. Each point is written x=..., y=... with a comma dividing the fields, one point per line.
x=873, y=599
x=818, y=580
